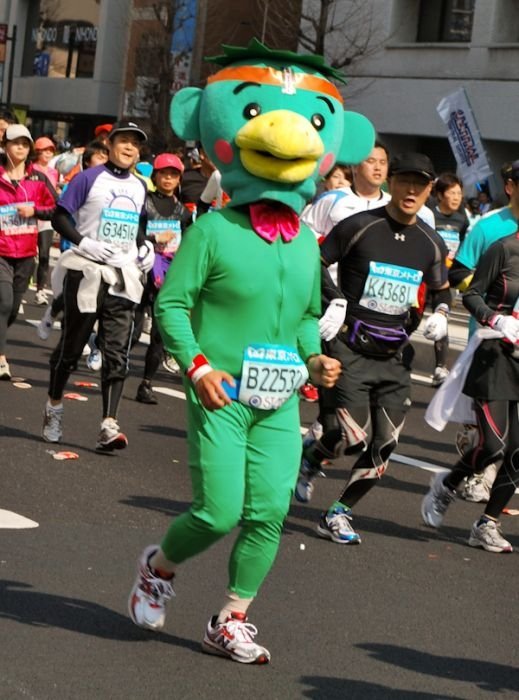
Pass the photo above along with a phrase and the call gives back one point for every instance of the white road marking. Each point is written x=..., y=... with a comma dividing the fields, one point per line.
x=13, y=521
x=421, y=378
x=144, y=338
x=170, y=392
x=412, y=462
x=395, y=457
x=408, y=461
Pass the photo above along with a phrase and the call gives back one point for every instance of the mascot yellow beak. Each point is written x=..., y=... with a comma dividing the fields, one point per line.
x=281, y=145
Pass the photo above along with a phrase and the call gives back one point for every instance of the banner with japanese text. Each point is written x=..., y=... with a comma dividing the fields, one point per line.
x=464, y=137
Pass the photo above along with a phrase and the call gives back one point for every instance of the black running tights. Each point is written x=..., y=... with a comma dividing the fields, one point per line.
x=498, y=426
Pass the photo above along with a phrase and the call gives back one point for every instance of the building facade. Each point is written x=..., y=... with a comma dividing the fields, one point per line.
x=68, y=62
x=431, y=49
x=78, y=63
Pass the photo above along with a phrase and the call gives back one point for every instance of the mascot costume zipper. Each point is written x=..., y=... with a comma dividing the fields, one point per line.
x=239, y=310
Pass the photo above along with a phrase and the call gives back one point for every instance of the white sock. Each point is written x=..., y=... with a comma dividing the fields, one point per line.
x=161, y=565
x=56, y=407
x=234, y=604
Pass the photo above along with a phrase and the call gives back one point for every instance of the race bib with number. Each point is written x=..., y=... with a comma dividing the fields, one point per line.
x=167, y=233
x=270, y=375
x=12, y=224
x=451, y=238
x=390, y=289
x=120, y=227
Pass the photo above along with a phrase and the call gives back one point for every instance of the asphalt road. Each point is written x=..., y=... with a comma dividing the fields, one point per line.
x=410, y=613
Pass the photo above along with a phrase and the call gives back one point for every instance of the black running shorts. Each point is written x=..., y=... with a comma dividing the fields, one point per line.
x=365, y=380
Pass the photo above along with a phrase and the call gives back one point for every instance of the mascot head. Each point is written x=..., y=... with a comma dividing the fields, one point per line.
x=272, y=122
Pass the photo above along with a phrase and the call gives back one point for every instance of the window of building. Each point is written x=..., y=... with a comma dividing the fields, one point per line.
x=445, y=20
x=61, y=39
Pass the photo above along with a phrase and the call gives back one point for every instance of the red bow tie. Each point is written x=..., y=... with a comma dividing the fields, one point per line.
x=272, y=220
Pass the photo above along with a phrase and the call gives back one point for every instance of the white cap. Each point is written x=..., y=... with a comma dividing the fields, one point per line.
x=16, y=131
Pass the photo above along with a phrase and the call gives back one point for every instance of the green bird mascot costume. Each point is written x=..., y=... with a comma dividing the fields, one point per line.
x=239, y=310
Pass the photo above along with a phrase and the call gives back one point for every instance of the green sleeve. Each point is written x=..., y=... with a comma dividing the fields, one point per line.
x=308, y=338
x=179, y=293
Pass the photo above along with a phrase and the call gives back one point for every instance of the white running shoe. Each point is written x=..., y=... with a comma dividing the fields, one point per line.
x=5, y=372
x=110, y=437
x=170, y=364
x=52, y=430
x=41, y=297
x=487, y=534
x=44, y=327
x=234, y=639
x=305, y=481
x=478, y=487
x=436, y=501
x=475, y=489
x=335, y=525
x=439, y=376
x=95, y=359
x=150, y=594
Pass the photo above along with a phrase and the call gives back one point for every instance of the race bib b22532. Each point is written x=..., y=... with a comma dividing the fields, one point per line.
x=270, y=375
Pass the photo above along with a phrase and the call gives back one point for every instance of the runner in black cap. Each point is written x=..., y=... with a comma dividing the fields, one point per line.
x=383, y=256
x=105, y=271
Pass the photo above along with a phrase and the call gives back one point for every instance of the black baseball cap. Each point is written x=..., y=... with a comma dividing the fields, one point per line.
x=124, y=126
x=513, y=172
x=412, y=163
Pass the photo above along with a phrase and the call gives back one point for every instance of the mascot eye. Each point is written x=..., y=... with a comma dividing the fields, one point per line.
x=317, y=121
x=252, y=110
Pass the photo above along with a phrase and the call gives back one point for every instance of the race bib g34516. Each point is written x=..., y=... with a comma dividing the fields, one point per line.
x=270, y=375
x=119, y=226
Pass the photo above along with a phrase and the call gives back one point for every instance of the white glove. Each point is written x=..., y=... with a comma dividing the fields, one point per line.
x=436, y=326
x=508, y=326
x=333, y=318
x=120, y=258
x=146, y=256
x=95, y=250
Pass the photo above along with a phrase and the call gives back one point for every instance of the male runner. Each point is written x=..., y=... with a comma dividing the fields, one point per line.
x=383, y=257
x=104, y=277
x=365, y=193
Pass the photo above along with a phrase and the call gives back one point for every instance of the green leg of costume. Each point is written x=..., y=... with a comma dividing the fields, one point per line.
x=243, y=463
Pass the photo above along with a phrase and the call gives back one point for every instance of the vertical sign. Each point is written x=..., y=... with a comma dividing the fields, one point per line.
x=182, y=42
x=464, y=137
